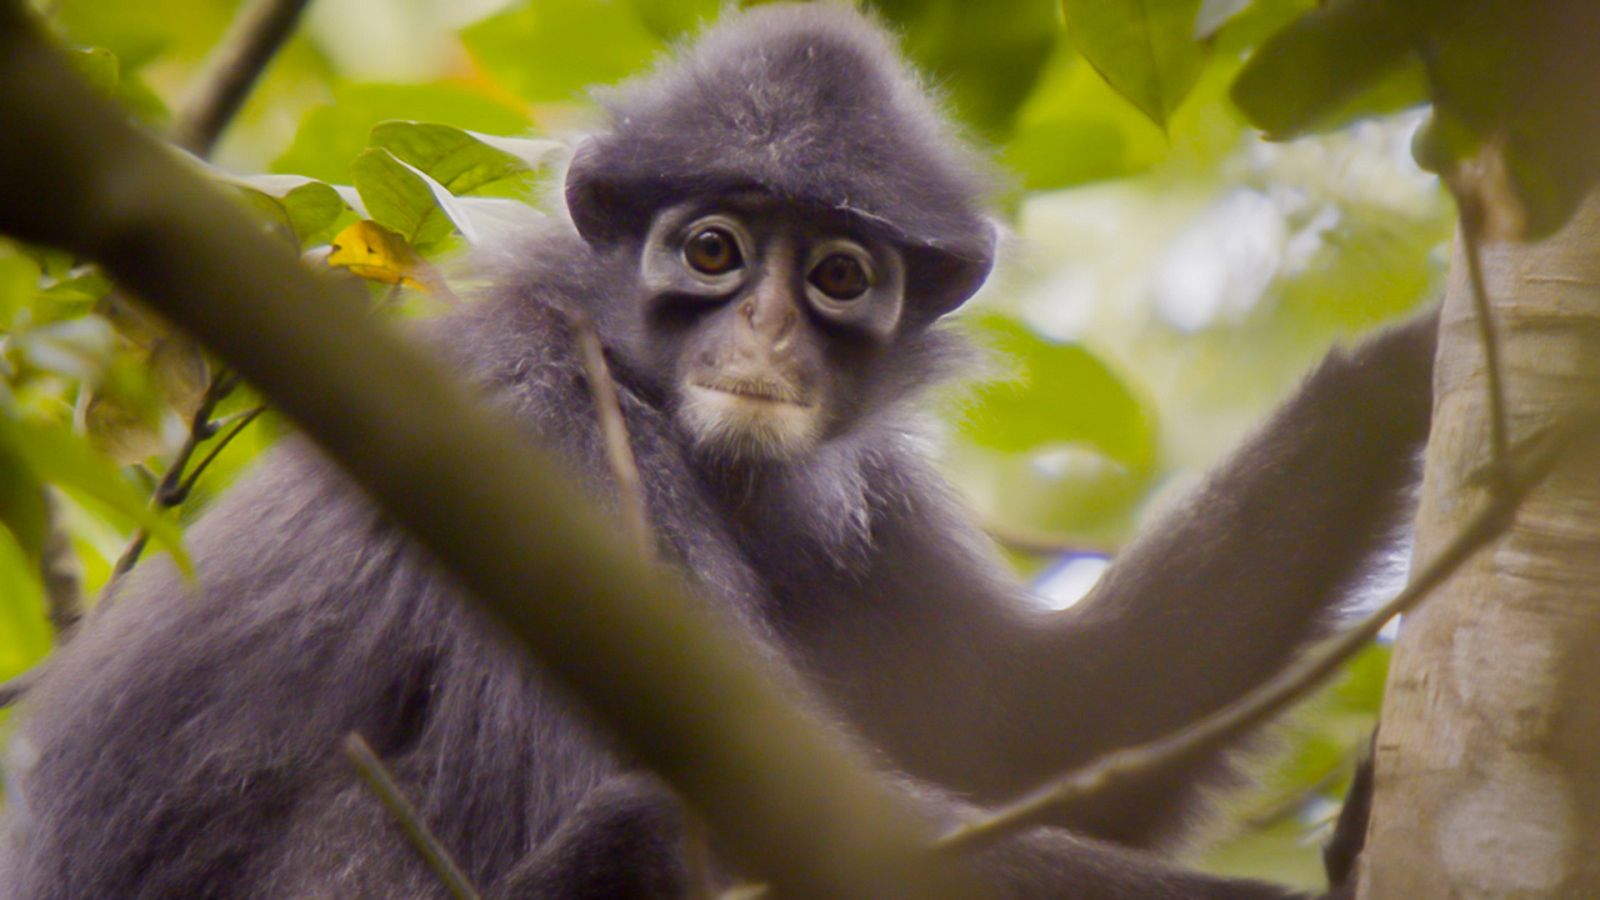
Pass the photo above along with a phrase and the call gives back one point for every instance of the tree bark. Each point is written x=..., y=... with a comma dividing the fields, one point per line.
x=1488, y=754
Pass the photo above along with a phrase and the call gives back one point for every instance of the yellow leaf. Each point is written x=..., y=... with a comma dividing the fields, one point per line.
x=377, y=254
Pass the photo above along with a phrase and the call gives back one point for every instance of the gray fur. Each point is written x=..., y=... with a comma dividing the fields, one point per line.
x=185, y=744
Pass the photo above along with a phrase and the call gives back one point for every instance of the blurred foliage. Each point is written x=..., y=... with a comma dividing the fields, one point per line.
x=1503, y=75
x=1173, y=273
x=1146, y=49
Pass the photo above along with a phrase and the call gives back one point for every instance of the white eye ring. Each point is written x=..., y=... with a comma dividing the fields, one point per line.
x=839, y=247
x=741, y=241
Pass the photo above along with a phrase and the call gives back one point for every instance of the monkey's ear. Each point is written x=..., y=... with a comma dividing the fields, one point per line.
x=603, y=208
x=943, y=277
x=591, y=201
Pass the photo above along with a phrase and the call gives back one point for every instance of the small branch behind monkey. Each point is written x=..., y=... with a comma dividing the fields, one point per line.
x=63, y=595
x=175, y=484
x=636, y=516
x=1493, y=375
x=372, y=771
x=60, y=573
x=258, y=32
x=235, y=424
x=63, y=589
x=614, y=431
x=1540, y=452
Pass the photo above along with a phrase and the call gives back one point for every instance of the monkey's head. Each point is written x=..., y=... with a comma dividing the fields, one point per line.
x=799, y=214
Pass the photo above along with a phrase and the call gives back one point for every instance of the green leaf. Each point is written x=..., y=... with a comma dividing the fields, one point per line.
x=310, y=210
x=79, y=348
x=671, y=19
x=99, y=67
x=1374, y=265
x=314, y=210
x=139, y=98
x=554, y=50
x=139, y=32
x=1063, y=394
x=1319, y=64
x=333, y=135
x=78, y=288
x=55, y=455
x=987, y=56
x=1146, y=49
x=1076, y=129
x=270, y=210
x=19, y=282
x=1511, y=85
x=537, y=153
x=1277, y=852
x=1214, y=14
x=402, y=199
x=1067, y=491
x=23, y=511
x=25, y=634
x=456, y=158
x=54, y=263
x=124, y=38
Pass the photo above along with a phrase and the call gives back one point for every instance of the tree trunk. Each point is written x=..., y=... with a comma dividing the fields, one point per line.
x=1488, y=756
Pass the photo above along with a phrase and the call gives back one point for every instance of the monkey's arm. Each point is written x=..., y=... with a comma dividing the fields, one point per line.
x=1205, y=604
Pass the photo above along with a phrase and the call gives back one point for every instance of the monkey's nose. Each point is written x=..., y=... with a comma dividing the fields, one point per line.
x=768, y=319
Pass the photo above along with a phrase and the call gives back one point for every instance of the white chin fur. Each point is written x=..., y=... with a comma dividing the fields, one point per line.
x=747, y=426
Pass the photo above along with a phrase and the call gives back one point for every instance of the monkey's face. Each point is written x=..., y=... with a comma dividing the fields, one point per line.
x=759, y=317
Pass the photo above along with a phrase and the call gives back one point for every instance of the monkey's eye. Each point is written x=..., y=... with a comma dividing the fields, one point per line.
x=841, y=276
x=713, y=251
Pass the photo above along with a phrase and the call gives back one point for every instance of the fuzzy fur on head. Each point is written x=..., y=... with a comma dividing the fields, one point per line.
x=812, y=104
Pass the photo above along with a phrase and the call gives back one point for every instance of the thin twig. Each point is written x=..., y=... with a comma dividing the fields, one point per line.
x=614, y=430
x=1291, y=684
x=234, y=424
x=63, y=591
x=256, y=35
x=174, y=487
x=60, y=573
x=1499, y=441
x=636, y=515
x=377, y=777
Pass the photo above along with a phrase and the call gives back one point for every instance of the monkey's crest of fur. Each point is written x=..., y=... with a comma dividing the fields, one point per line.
x=810, y=103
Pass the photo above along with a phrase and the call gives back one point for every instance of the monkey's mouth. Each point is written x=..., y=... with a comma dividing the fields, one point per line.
x=761, y=390
x=762, y=418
